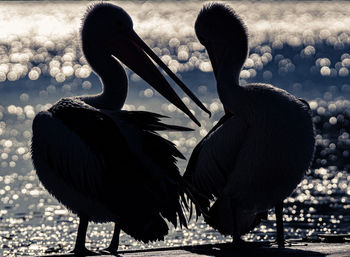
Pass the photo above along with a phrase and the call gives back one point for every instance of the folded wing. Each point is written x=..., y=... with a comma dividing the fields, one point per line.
x=120, y=163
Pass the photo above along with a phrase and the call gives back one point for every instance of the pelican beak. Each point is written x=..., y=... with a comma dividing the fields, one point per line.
x=130, y=49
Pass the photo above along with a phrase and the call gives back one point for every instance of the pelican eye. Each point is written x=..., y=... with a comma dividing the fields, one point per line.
x=119, y=25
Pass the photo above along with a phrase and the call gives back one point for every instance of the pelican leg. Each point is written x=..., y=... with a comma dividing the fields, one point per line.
x=279, y=224
x=237, y=241
x=80, y=249
x=113, y=246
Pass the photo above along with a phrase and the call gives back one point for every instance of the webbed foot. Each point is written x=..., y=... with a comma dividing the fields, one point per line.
x=288, y=243
x=109, y=250
x=82, y=252
x=113, y=247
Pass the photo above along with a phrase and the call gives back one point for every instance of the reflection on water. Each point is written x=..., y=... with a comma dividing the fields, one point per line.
x=301, y=47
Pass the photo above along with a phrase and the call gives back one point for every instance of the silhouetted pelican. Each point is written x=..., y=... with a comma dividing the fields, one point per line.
x=259, y=151
x=105, y=164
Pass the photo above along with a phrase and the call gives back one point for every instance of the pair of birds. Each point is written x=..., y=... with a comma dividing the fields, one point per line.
x=105, y=164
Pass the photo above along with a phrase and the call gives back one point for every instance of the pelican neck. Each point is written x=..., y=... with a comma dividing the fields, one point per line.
x=230, y=92
x=114, y=85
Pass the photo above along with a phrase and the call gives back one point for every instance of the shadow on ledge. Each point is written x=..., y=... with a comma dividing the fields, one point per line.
x=250, y=249
x=219, y=250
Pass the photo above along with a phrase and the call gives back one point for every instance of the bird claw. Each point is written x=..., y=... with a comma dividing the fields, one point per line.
x=109, y=250
x=82, y=252
x=237, y=242
x=289, y=243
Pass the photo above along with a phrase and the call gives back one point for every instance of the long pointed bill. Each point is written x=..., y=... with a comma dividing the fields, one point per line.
x=129, y=49
x=149, y=51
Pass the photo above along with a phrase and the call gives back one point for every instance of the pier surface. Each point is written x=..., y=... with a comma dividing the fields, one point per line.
x=223, y=250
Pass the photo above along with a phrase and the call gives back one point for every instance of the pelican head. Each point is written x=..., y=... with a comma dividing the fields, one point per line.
x=107, y=34
x=222, y=33
x=103, y=24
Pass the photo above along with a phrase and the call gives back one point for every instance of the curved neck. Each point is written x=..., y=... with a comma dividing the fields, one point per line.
x=230, y=92
x=114, y=85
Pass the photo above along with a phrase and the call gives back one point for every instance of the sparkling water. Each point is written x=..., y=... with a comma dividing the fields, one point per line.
x=301, y=47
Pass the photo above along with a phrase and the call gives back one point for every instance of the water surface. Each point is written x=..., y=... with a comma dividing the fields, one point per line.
x=301, y=47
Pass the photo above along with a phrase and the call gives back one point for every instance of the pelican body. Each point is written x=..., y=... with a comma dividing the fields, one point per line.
x=105, y=164
x=259, y=151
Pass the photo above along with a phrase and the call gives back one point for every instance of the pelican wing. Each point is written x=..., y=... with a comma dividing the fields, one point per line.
x=159, y=155
x=65, y=155
x=305, y=103
x=130, y=171
x=150, y=121
x=212, y=160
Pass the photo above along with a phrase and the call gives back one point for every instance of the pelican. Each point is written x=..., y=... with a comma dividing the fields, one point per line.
x=258, y=152
x=105, y=164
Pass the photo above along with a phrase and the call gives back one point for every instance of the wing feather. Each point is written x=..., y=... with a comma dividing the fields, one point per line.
x=212, y=160
x=150, y=121
x=130, y=170
x=67, y=156
x=160, y=154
